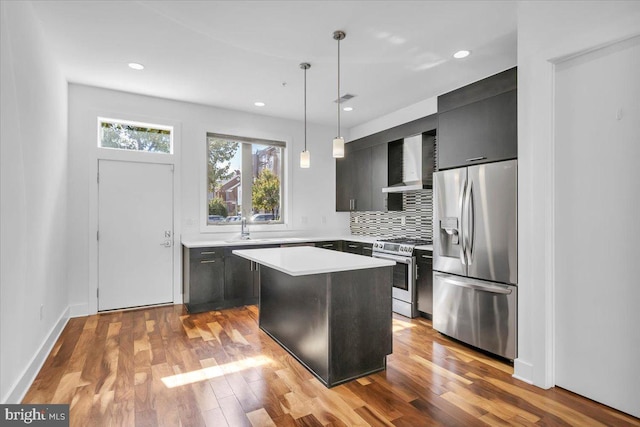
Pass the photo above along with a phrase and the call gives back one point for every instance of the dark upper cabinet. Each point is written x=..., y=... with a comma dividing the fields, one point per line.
x=360, y=177
x=478, y=123
x=379, y=162
x=353, y=181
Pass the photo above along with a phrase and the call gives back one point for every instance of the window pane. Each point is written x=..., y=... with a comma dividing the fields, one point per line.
x=260, y=161
x=224, y=178
x=266, y=189
x=127, y=136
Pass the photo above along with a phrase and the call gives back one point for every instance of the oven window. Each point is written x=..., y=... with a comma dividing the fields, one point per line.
x=401, y=276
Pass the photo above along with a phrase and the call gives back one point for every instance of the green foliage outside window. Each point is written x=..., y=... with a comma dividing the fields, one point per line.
x=220, y=151
x=217, y=207
x=266, y=191
x=130, y=137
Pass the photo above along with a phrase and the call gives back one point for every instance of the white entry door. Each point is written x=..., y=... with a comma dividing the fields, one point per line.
x=135, y=234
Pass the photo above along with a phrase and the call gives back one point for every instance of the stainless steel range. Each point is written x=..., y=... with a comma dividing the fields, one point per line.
x=402, y=251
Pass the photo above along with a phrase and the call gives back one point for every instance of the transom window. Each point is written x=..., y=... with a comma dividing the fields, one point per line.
x=244, y=178
x=123, y=135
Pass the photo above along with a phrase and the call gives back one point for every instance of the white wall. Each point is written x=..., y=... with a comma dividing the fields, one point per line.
x=404, y=115
x=312, y=190
x=548, y=31
x=33, y=208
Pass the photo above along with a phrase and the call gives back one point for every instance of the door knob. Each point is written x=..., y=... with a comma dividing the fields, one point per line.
x=166, y=244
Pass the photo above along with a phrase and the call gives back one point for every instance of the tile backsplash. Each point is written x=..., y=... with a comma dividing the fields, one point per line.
x=417, y=212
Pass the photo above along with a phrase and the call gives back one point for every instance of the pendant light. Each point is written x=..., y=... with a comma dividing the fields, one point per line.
x=305, y=157
x=338, y=141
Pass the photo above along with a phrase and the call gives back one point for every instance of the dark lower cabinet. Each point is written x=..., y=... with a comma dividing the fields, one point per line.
x=357, y=248
x=241, y=277
x=215, y=278
x=203, y=279
x=238, y=277
x=334, y=245
x=424, y=282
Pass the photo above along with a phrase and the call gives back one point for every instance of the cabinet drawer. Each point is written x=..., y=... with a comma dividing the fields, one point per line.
x=332, y=245
x=208, y=253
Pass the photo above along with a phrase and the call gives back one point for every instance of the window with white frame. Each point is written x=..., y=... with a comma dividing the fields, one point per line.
x=135, y=136
x=244, y=178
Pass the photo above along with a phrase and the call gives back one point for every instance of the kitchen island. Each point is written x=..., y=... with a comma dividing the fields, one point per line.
x=330, y=310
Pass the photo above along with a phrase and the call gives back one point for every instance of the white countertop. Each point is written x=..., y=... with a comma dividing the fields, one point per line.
x=305, y=260
x=196, y=243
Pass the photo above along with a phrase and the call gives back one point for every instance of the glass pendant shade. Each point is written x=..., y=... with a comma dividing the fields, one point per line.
x=305, y=159
x=338, y=147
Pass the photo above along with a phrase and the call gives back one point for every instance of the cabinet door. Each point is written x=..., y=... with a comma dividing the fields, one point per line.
x=353, y=181
x=206, y=280
x=481, y=132
x=379, y=166
x=238, y=278
x=424, y=281
x=362, y=179
x=344, y=184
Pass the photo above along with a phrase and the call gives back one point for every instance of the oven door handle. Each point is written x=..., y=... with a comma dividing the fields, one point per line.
x=401, y=260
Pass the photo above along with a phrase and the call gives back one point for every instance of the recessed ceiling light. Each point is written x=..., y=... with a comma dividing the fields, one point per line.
x=259, y=104
x=347, y=109
x=136, y=66
x=461, y=54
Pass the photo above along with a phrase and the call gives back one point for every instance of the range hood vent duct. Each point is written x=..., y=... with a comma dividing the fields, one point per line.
x=412, y=167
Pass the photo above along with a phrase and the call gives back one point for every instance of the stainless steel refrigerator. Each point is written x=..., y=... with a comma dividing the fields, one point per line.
x=475, y=259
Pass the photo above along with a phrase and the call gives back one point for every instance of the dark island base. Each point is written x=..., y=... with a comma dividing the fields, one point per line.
x=338, y=325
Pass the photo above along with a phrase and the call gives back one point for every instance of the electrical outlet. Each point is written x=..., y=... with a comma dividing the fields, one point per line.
x=403, y=220
x=41, y=311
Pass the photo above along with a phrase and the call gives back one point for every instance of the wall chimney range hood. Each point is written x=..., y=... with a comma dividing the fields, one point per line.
x=417, y=165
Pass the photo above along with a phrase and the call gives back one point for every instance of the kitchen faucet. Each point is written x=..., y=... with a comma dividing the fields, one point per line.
x=244, y=230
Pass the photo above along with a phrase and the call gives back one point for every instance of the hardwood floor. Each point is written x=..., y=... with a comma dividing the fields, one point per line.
x=163, y=367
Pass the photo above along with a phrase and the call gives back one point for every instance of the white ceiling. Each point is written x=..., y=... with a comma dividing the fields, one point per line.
x=232, y=53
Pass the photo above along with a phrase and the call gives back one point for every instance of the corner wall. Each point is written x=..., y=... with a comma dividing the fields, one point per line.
x=33, y=207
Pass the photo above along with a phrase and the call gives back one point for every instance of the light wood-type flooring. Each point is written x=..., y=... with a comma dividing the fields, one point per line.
x=163, y=367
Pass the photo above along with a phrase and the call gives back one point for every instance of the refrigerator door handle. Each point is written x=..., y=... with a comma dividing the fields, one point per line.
x=471, y=223
x=478, y=287
x=463, y=232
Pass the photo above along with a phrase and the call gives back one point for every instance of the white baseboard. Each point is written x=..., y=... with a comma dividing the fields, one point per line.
x=523, y=371
x=20, y=388
x=79, y=310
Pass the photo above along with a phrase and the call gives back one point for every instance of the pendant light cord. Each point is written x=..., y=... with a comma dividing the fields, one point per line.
x=305, y=108
x=338, y=99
